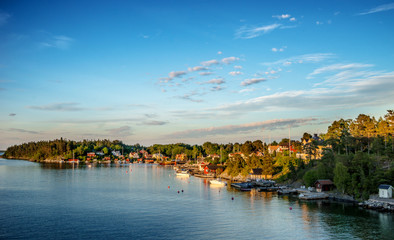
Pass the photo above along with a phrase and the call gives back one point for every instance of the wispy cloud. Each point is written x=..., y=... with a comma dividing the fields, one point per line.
x=197, y=68
x=246, y=32
x=154, y=123
x=205, y=73
x=251, y=81
x=380, y=8
x=188, y=97
x=123, y=131
x=243, y=128
x=229, y=60
x=4, y=18
x=60, y=42
x=245, y=90
x=176, y=74
x=215, y=81
x=210, y=62
x=337, y=67
x=22, y=131
x=238, y=67
x=283, y=16
x=342, y=90
x=306, y=58
x=62, y=107
x=235, y=73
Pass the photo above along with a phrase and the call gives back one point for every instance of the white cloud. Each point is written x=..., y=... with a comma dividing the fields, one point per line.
x=380, y=8
x=62, y=107
x=229, y=60
x=197, y=68
x=252, y=32
x=245, y=90
x=205, y=73
x=176, y=74
x=121, y=131
x=274, y=49
x=283, y=16
x=306, y=58
x=243, y=128
x=344, y=90
x=210, y=62
x=22, y=130
x=319, y=23
x=251, y=81
x=219, y=52
x=235, y=73
x=337, y=67
x=238, y=67
x=215, y=81
x=293, y=19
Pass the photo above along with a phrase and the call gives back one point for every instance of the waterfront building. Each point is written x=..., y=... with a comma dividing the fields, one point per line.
x=385, y=191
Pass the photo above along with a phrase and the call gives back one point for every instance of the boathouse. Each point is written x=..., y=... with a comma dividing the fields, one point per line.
x=385, y=191
x=211, y=168
x=256, y=173
x=324, y=185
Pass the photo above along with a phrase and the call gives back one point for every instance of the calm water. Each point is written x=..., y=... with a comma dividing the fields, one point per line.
x=40, y=201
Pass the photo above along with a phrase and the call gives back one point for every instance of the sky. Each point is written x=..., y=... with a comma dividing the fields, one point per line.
x=165, y=72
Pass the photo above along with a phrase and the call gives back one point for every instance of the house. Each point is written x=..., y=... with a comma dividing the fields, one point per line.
x=157, y=156
x=134, y=155
x=324, y=185
x=211, y=168
x=91, y=154
x=116, y=153
x=213, y=156
x=385, y=191
x=256, y=173
x=231, y=156
x=181, y=157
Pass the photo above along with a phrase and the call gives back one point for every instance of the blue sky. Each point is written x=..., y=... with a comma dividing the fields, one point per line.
x=191, y=71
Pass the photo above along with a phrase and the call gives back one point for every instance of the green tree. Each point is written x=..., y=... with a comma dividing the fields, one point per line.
x=341, y=177
x=310, y=178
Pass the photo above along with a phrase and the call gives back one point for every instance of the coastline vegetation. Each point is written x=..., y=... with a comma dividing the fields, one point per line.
x=356, y=154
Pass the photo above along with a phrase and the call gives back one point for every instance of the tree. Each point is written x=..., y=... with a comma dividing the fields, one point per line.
x=105, y=151
x=247, y=148
x=341, y=177
x=310, y=178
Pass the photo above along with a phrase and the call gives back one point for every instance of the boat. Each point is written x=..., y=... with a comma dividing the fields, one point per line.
x=244, y=186
x=217, y=182
x=183, y=173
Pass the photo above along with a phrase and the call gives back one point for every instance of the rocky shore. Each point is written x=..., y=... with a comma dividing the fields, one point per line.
x=379, y=204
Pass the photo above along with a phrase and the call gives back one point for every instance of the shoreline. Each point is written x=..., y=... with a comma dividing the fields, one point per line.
x=373, y=203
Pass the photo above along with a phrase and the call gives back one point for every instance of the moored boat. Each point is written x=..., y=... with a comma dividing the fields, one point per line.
x=217, y=182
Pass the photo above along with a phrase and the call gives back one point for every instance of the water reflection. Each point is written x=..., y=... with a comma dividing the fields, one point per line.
x=142, y=200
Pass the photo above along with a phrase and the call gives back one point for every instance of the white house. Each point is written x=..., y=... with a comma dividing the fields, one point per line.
x=385, y=191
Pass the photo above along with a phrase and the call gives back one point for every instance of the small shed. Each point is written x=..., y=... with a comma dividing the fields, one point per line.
x=324, y=185
x=385, y=191
x=256, y=173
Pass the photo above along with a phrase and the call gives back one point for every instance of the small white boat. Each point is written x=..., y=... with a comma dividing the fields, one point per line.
x=217, y=182
x=182, y=174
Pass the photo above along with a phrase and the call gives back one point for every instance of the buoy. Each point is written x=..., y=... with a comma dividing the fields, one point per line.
x=126, y=171
x=178, y=192
x=232, y=198
x=182, y=190
x=168, y=187
x=291, y=208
